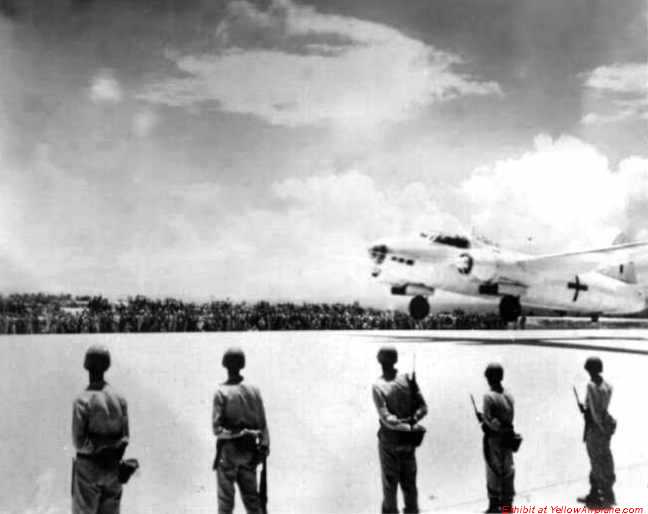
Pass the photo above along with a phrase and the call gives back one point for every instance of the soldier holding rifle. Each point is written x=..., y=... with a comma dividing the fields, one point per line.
x=500, y=440
x=599, y=427
x=243, y=442
x=400, y=406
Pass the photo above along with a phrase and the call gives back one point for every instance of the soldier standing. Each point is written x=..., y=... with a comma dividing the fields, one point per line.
x=239, y=423
x=599, y=427
x=400, y=406
x=100, y=434
x=497, y=424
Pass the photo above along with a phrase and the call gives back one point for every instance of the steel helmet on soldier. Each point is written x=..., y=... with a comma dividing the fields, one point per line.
x=97, y=358
x=594, y=365
x=387, y=355
x=494, y=372
x=234, y=358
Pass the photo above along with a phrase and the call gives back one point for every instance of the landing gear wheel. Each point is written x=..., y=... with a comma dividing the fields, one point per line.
x=419, y=308
x=594, y=318
x=510, y=308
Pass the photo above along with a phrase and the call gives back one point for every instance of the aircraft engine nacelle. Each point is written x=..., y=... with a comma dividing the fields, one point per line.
x=478, y=265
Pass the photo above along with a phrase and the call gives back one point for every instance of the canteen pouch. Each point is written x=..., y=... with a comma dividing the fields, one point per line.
x=609, y=424
x=512, y=440
x=126, y=469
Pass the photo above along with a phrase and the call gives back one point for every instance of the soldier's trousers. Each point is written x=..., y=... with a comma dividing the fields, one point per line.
x=95, y=489
x=500, y=471
x=398, y=465
x=602, y=475
x=237, y=467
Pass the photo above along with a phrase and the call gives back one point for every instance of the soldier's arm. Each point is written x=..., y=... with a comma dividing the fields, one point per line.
x=386, y=417
x=217, y=417
x=125, y=423
x=265, y=433
x=487, y=415
x=79, y=423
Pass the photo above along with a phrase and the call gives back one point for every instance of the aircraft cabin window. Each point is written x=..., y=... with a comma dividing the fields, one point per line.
x=456, y=241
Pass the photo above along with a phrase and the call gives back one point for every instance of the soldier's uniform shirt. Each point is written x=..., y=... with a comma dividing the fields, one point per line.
x=237, y=406
x=498, y=411
x=99, y=432
x=597, y=439
x=394, y=402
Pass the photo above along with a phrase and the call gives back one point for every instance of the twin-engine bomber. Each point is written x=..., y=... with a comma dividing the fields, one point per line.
x=595, y=282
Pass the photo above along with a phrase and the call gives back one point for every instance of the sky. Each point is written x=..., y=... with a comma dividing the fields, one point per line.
x=253, y=149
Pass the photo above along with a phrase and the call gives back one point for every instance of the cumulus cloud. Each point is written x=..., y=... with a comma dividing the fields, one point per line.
x=104, y=87
x=563, y=195
x=623, y=91
x=291, y=65
x=620, y=78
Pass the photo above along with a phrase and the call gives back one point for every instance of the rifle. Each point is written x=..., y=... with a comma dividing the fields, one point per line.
x=415, y=393
x=478, y=414
x=263, y=487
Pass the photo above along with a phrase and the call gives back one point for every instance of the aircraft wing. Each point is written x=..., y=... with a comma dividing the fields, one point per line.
x=583, y=262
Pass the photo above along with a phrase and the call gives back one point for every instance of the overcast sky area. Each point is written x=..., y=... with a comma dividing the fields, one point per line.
x=253, y=149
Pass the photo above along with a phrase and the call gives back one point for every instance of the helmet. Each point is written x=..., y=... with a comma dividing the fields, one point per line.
x=387, y=355
x=494, y=372
x=234, y=358
x=594, y=365
x=97, y=358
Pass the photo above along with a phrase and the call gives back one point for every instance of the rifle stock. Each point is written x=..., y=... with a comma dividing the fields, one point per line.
x=263, y=487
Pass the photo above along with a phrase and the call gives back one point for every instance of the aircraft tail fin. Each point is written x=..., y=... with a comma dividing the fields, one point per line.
x=625, y=271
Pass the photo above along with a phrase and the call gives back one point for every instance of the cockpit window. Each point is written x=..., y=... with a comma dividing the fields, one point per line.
x=456, y=241
x=451, y=240
x=378, y=253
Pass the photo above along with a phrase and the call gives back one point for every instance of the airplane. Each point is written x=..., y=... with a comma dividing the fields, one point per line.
x=593, y=282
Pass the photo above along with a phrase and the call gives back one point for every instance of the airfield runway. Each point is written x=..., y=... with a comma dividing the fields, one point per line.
x=316, y=387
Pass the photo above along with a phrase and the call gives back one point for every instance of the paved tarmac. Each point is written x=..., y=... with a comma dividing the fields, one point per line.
x=316, y=387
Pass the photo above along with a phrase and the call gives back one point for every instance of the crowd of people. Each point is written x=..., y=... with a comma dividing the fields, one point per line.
x=65, y=314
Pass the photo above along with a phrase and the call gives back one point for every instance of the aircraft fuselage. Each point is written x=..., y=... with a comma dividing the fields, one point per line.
x=414, y=266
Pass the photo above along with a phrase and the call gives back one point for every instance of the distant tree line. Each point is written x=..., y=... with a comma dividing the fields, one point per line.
x=64, y=314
